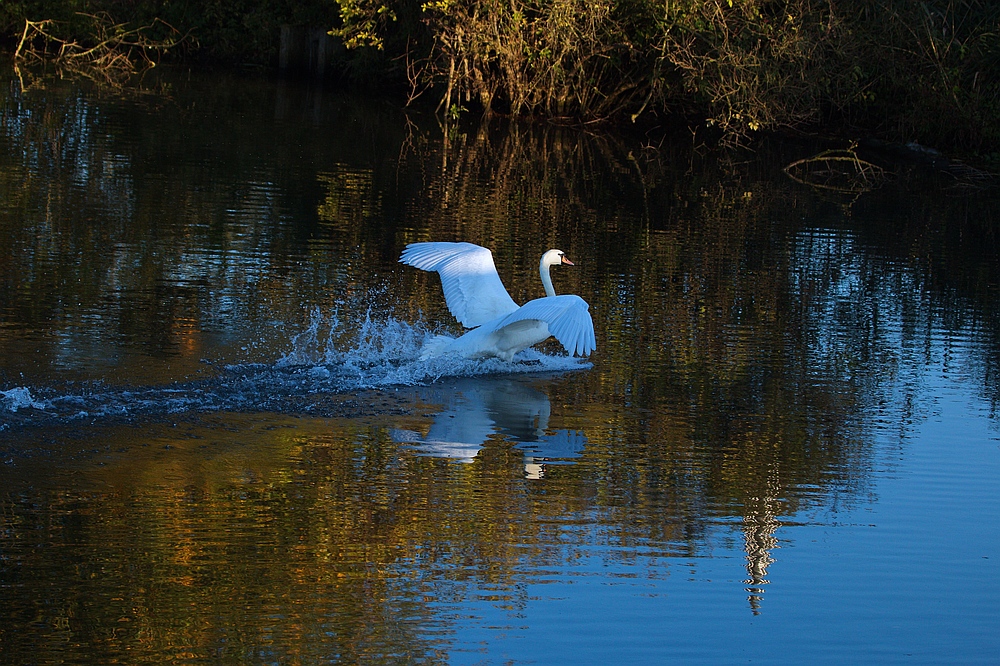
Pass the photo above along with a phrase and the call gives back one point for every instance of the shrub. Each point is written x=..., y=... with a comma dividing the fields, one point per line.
x=904, y=70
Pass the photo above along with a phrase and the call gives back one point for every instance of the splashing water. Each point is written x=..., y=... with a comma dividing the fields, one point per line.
x=327, y=362
x=19, y=398
x=386, y=352
x=363, y=355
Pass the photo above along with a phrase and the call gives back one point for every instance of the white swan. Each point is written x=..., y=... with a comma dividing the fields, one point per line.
x=478, y=299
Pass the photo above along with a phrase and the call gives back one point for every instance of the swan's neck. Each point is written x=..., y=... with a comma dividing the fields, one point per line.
x=543, y=270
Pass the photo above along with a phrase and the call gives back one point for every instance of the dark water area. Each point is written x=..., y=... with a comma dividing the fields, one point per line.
x=219, y=441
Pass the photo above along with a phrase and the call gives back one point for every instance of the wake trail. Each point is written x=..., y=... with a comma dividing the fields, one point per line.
x=327, y=364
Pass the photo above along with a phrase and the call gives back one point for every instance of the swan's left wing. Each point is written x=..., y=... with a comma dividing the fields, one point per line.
x=472, y=287
x=568, y=319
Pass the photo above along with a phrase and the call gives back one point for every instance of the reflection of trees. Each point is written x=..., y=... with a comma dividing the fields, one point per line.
x=161, y=223
x=322, y=542
x=745, y=358
x=949, y=246
x=751, y=338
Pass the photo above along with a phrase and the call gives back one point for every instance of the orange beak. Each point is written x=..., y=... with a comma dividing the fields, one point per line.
x=567, y=261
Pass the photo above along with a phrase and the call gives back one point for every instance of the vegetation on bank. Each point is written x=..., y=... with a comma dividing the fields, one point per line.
x=902, y=70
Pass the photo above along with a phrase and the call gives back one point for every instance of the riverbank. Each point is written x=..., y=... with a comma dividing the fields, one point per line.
x=886, y=70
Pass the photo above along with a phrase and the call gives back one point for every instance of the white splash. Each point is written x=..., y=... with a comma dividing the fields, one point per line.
x=19, y=398
x=381, y=350
x=327, y=359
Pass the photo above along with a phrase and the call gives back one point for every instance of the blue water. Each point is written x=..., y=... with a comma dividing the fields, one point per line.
x=219, y=444
x=907, y=573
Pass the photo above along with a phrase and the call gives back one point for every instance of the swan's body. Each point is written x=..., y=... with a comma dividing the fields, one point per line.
x=478, y=299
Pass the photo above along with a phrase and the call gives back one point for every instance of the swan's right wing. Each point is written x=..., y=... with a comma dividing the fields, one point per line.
x=568, y=319
x=472, y=287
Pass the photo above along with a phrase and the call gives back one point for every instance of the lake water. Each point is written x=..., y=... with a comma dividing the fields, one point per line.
x=218, y=443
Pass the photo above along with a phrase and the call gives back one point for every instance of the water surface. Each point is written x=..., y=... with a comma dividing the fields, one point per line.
x=219, y=443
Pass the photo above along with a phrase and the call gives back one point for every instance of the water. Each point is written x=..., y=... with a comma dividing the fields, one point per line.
x=218, y=442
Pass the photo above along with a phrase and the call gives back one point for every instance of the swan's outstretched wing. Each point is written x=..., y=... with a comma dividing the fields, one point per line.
x=472, y=287
x=568, y=319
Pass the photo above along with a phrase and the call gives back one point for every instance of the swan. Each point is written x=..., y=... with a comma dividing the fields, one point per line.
x=478, y=300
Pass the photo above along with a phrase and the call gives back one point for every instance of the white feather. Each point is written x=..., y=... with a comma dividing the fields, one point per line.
x=472, y=287
x=477, y=298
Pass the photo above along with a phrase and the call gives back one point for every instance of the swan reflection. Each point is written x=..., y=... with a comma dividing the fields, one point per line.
x=473, y=409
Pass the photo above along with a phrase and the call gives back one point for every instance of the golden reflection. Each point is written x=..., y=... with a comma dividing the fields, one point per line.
x=759, y=525
x=742, y=351
x=198, y=531
x=351, y=199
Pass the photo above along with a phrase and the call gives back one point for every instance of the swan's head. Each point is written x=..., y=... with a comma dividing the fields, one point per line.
x=551, y=258
x=554, y=258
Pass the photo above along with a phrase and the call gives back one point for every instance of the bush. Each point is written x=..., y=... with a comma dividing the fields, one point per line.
x=925, y=71
x=901, y=70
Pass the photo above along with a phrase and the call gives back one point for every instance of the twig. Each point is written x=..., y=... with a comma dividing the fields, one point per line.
x=822, y=170
x=113, y=53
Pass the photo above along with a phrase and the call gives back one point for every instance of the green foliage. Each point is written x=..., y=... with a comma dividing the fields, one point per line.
x=364, y=22
x=924, y=71
x=905, y=70
x=552, y=57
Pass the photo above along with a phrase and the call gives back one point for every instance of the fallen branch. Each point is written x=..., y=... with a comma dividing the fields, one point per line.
x=838, y=171
x=115, y=50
